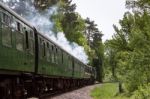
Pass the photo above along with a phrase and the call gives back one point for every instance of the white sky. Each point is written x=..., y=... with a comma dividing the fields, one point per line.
x=105, y=13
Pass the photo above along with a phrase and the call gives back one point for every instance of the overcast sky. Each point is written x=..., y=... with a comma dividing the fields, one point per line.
x=105, y=13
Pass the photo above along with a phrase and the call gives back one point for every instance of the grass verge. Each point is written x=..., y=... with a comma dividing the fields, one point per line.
x=107, y=91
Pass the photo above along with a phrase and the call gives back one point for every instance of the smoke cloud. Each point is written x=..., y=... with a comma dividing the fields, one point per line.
x=42, y=22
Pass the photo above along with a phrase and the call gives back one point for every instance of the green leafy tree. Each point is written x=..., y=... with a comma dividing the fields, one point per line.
x=90, y=30
x=131, y=44
x=44, y=4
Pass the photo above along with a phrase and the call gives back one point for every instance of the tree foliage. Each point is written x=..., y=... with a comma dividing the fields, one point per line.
x=79, y=30
x=44, y=4
x=129, y=48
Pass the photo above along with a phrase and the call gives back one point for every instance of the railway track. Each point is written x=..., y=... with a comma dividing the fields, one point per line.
x=49, y=95
x=81, y=93
x=57, y=93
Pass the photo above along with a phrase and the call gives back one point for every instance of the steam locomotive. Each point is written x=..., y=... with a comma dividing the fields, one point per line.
x=32, y=64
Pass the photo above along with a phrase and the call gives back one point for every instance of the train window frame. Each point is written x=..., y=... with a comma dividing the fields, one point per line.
x=47, y=45
x=40, y=46
x=43, y=49
x=19, y=48
x=56, y=50
x=48, y=51
x=32, y=46
x=27, y=46
x=31, y=34
x=53, y=53
x=31, y=41
x=40, y=40
x=56, y=55
x=6, y=18
x=6, y=42
x=65, y=59
x=13, y=24
x=20, y=27
x=52, y=47
x=68, y=60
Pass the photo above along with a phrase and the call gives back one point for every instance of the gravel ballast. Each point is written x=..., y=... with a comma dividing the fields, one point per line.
x=82, y=93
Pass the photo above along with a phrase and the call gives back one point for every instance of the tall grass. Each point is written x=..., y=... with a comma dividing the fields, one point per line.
x=107, y=91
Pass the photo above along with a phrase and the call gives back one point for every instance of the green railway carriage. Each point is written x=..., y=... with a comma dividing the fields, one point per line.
x=31, y=63
x=53, y=60
x=16, y=43
x=78, y=69
x=24, y=49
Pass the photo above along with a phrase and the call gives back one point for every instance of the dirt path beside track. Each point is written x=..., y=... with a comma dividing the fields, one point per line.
x=82, y=93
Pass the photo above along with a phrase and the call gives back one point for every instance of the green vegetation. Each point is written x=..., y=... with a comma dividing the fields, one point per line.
x=127, y=53
x=105, y=91
x=108, y=91
x=111, y=91
x=143, y=92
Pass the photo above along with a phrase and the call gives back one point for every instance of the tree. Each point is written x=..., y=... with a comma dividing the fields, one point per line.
x=44, y=4
x=94, y=37
x=131, y=44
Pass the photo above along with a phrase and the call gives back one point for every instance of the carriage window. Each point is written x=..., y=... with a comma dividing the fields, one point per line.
x=18, y=26
x=52, y=48
x=19, y=41
x=31, y=34
x=47, y=45
x=68, y=60
x=48, y=52
x=44, y=50
x=31, y=46
x=27, y=39
x=40, y=41
x=40, y=47
x=6, y=36
x=56, y=50
x=6, y=19
x=13, y=24
x=56, y=58
x=31, y=41
x=53, y=55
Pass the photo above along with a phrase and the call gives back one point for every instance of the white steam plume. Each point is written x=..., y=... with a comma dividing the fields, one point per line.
x=42, y=22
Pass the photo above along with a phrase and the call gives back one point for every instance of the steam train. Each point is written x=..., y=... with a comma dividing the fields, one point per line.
x=32, y=64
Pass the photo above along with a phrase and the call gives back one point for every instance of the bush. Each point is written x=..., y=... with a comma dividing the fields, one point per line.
x=143, y=92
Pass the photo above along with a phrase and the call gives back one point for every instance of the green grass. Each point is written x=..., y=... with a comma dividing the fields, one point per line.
x=107, y=91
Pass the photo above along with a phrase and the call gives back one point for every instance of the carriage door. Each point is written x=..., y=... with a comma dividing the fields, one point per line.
x=29, y=48
x=27, y=41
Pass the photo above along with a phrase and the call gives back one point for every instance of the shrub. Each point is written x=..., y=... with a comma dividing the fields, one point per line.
x=143, y=92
